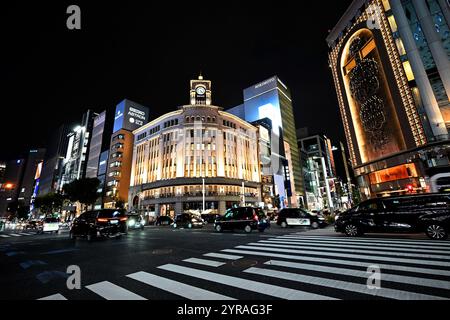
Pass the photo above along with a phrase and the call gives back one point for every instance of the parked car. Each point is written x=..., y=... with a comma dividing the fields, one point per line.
x=187, y=220
x=49, y=225
x=33, y=225
x=429, y=213
x=163, y=221
x=291, y=217
x=247, y=219
x=100, y=223
x=135, y=221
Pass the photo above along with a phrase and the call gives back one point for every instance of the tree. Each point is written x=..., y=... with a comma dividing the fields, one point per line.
x=84, y=191
x=49, y=203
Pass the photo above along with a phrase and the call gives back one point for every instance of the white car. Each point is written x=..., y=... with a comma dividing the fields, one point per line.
x=50, y=225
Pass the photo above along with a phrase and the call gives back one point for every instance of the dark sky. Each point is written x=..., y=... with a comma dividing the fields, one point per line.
x=50, y=75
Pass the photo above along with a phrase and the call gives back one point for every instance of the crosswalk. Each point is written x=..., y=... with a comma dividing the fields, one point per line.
x=295, y=267
x=16, y=235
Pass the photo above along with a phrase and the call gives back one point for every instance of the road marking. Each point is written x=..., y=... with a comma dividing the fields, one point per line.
x=372, y=252
x=356, y=243
x=223, y=256
x=363, y=274
x=55, y=297
x=60, y=251
x=15, y=235
x=4, y=236
x=345, y=255
x=26, y=234
x=380, y=240
x=427, y=271
x=205, y=262
x=244, y=284
x=110, y=291
x=340, y=245
x=343, y=285
x=177, y=288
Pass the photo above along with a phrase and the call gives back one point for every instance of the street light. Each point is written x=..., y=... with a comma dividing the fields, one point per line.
x=9, y=186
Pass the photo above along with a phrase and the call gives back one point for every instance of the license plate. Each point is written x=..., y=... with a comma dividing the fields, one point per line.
x=114, y=221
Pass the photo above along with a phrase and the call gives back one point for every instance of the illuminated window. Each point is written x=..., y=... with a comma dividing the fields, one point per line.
x=400, y=47
x=408, y=70
x=393, y=24
x=386, y=5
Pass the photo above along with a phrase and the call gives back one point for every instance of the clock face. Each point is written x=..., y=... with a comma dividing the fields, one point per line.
x=200, y=90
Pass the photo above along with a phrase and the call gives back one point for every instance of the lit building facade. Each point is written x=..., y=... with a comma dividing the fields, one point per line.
x=198, y=158
x=271, y=99
x=129, y=116
x=391, y=67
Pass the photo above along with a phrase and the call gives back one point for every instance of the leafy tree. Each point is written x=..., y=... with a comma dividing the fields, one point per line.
x=84, y=191
x=49, y=203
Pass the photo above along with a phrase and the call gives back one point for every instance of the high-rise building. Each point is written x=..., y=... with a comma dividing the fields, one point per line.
x=271, y=99
x=10, y=189
x=100, y=141
x=2, y=172
x=52, y=169
x=129, y=116
x=391, y=68
x=30, y=181
x=75, y=163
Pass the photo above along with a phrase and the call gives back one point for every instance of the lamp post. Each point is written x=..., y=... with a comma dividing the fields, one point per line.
x=243, y=193
x=204, y=194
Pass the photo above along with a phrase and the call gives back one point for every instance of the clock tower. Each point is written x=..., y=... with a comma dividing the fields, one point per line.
x=201, y=92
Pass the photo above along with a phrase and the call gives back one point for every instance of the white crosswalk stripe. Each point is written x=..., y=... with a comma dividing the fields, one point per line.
x=249, y=285
x=55, y=297
x=110, y=291
x=4, y=236
x=222, y=256
x=342, y=285
x=15, y=235
x=389, y=247
x=373, y=240
x=178, y=288
x=327, y=245
x=205, y=262
x=335, y=253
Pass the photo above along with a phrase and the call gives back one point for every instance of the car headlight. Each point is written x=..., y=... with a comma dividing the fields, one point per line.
x=131, y=223
x=322, y=219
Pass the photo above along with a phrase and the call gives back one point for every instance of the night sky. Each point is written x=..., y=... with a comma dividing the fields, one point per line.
x=50, y=75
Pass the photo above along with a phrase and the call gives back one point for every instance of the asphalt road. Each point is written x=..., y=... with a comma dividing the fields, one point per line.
x=160, y=263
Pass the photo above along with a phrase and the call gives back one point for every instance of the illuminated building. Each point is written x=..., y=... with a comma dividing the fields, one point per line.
x=2, y=172
x=198, y=158
x=129, y=116
x=271, y=99
x=390, y=63
x=9, y=191
x=28, y=186
x=75, y=163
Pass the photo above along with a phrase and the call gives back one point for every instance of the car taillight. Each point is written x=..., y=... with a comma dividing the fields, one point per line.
x=102, y=220
x=255, y=217
x=124, y=219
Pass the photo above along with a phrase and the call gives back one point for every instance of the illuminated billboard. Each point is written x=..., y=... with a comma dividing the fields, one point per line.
x=130, y=116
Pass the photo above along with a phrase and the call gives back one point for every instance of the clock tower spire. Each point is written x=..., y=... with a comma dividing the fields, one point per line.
x=201, y=91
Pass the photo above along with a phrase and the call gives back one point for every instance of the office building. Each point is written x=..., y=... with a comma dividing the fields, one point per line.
x=30, y=180
x=10, y=189
x=129, y=116
x=271, y=99
x=391, y=68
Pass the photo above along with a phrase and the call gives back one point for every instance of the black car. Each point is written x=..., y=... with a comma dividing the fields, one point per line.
x=100, y=223
x=209, y=218
x=291, y=217
x=163, y=221
x=135, y=221
x=187, y=220
x=247, y=219
x=428, y=213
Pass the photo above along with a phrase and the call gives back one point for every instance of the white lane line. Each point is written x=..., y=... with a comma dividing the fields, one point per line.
x=343, y=285
x=380, y=240
x=55, y=297
x=4, y=236
x=356, y=243
x=345, y=255
x=110, y=291
x=205, y=262
x=363, y=274
x=222, y=256
x=305, y=244
x=371, y=252
x=26, y=234
x=244, y=284
x=14, y=235
x=426, y=271
x=177, y=288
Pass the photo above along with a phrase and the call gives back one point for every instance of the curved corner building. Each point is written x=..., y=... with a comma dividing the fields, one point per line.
x=196, y=154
